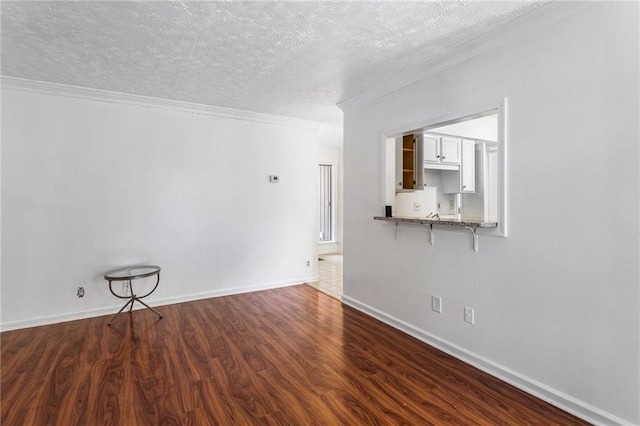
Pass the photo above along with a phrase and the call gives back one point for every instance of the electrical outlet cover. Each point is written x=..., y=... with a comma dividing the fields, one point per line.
x=436, y=304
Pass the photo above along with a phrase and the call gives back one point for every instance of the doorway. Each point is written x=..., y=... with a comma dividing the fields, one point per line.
x=326, y=203
x=329, y=258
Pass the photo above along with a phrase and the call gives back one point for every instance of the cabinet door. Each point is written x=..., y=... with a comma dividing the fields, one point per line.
x=431, y=147
x=419, y=170
x=399, y=174
x=450, y=150
x=408, y=162
x=468, y=167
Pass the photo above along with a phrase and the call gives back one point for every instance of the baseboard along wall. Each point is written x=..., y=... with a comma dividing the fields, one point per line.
x=112, y=309
x=546, y=393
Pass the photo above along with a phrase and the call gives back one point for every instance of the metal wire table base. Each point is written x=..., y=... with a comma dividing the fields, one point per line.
x=130, y=304
x=129, y=274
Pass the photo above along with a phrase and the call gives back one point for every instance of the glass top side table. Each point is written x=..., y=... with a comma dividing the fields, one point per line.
x=131, y=273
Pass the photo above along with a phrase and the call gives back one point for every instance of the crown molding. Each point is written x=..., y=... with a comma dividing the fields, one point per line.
x=44, y=87
x=511, y=31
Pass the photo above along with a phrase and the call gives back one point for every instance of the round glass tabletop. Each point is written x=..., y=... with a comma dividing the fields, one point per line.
x=132, y=272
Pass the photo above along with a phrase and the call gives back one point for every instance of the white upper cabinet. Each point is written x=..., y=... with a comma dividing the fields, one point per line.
x=450, y=150
x=468, y=167
x=462, y=181
x=442, y=152
x=431, y=149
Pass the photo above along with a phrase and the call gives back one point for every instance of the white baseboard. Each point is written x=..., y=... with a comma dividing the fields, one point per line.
x=546, y=393
x=112, y=309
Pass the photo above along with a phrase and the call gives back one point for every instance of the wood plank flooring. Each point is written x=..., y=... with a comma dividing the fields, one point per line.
x=289, y=356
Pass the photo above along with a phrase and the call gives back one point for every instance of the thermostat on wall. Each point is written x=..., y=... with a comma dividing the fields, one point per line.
x=274, y=178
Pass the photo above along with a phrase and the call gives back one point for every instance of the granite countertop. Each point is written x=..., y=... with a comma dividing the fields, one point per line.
x=439, y=221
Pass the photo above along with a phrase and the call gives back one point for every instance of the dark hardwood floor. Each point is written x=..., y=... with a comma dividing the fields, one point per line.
x=290, y=356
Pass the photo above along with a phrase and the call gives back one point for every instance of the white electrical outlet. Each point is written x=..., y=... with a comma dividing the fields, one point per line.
x=469, y=315
x=436, y=303
x=126, y=288
x=416, y=206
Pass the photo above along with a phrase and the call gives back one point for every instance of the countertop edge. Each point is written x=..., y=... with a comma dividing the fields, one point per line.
x=447, y=222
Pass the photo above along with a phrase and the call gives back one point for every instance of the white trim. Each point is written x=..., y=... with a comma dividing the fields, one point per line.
x=44, y=87
x=505, y=34
x=110, y=310
x=546, y=393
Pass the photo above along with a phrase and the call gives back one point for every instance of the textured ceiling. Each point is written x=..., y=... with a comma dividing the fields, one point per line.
x=295, y=59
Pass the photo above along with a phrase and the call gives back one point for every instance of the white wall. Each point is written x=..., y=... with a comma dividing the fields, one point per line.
x=557, y=301
x=479, y=128
x=88, y=186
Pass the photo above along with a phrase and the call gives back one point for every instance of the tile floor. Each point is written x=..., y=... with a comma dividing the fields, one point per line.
x=330, y=274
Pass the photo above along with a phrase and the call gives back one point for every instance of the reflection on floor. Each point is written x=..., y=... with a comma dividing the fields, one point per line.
x=330, y=274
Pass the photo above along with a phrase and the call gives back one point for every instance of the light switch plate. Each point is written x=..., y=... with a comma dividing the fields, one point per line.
x=469, y=315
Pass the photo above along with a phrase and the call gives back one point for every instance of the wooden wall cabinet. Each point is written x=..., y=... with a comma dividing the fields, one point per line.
x=409, y=162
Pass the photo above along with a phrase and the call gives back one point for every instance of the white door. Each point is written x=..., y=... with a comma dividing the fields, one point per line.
x=398, y=182
x=431, y=149
x=326, y=203
x=450, y=150
x=468, y=166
